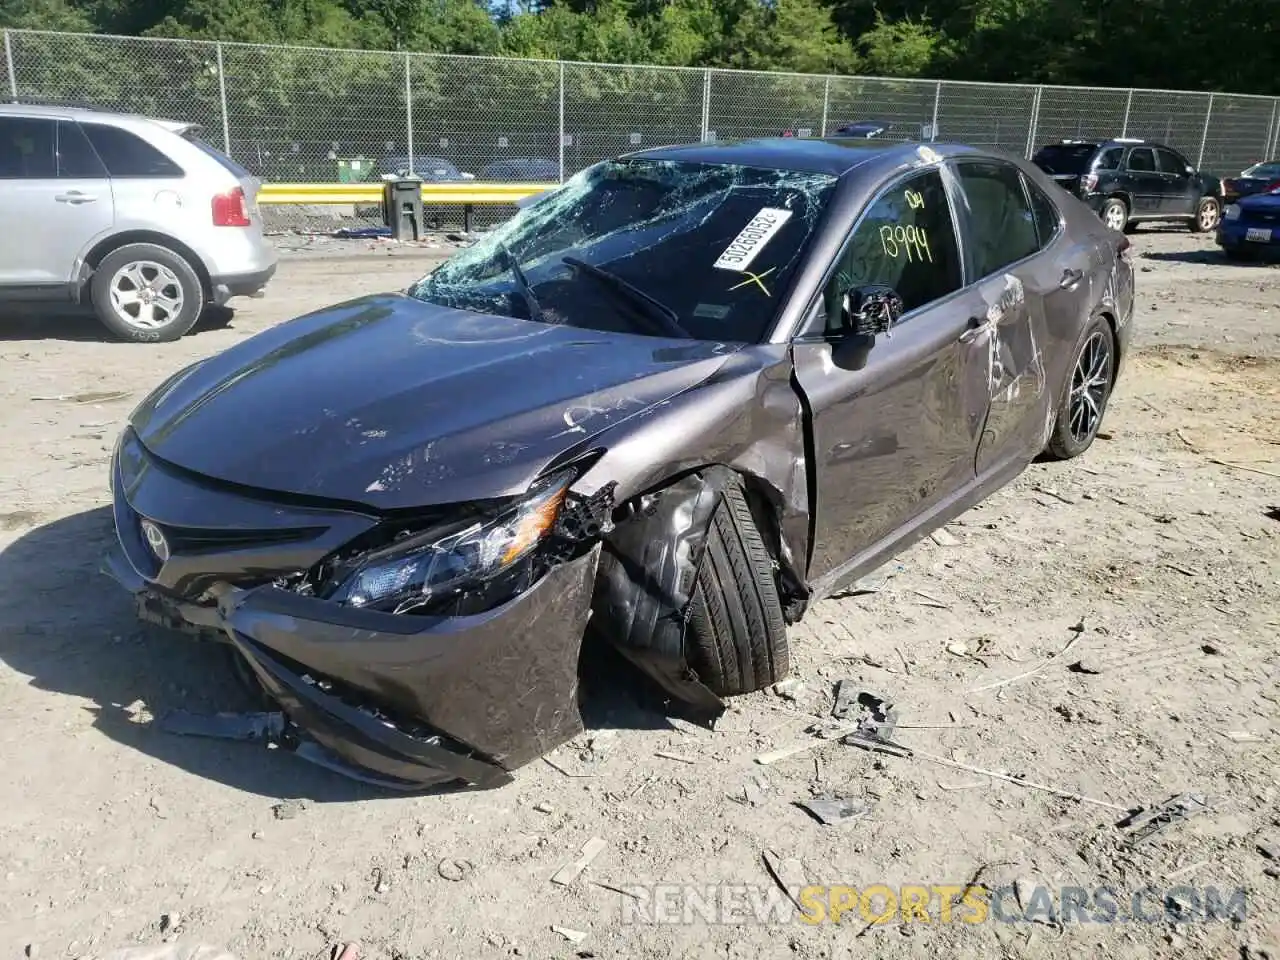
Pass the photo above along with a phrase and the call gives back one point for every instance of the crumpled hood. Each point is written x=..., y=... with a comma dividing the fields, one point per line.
x=392, y=402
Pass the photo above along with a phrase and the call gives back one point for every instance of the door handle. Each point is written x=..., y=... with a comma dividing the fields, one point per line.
x=1070, y=279
x=977, y=327
x=75, y=197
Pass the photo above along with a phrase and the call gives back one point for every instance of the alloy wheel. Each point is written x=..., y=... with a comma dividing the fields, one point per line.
x=1090, y=384
x=1115, y=218
x=1208, y=216
x=146, y=294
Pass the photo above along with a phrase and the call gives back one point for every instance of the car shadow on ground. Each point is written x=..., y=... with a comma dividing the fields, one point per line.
x=1214, y=256
x=73, y=631
x=73, y=324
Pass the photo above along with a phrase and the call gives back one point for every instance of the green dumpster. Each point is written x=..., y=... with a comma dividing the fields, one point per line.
x=354, y=169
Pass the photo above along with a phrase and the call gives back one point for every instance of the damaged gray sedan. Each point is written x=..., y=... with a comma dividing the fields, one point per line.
x=677, y=399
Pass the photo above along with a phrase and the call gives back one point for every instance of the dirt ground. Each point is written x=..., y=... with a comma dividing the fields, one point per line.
x=1155, y=559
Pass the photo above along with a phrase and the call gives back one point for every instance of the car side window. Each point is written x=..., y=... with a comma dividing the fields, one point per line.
x=76, y=159
x=128, y=155
x=906, y=240
x=1109, y=159
x=1170, y=162
x=1000, y=224
x=1142, y=160
x=27, y=148
x=1045, y=214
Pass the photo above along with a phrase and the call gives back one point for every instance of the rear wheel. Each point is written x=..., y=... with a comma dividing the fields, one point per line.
x=146, y=293
x=1085, y=394
x=736, y=640
x=1208, y=213
x=1115, y=214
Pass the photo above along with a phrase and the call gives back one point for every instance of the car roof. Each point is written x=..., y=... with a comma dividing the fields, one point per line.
x=834, y=156
x=1107, y=142
x=72, y=112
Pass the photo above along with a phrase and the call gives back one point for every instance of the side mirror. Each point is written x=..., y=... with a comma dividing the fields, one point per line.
x=869, y=310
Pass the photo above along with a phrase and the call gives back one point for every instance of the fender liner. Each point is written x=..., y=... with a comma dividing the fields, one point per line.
x=646, y=577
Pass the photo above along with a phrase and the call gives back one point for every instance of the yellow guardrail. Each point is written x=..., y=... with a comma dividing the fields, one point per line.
x=466, y=192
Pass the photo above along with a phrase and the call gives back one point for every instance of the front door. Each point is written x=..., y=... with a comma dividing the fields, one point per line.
x=1004, y=239
x=1180, y=197
x=1146, y=183
x=895, y=428
x=52, y=203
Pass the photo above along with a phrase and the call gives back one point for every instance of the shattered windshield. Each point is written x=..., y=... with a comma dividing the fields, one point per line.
x=652, y=247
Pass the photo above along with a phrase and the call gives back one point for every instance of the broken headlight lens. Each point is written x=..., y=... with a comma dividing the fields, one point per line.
x=421, y=570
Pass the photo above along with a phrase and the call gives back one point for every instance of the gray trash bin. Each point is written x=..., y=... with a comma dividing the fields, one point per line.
x=402, y=208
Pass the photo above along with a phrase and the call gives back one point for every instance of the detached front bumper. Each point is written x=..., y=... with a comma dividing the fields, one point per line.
x=407, y=702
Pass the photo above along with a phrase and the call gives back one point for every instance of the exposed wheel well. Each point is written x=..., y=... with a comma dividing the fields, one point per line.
x=118, y=240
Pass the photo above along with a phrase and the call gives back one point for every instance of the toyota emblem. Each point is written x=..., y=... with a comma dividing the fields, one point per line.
x=155, y=540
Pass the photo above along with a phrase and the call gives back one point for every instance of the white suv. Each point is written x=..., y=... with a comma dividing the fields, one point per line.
x=136, y=216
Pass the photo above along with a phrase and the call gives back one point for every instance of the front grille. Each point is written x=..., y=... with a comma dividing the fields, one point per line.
x=189, y=540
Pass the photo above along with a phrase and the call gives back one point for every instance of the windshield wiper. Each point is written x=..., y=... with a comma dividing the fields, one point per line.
x=522, y=282
x=666, y=318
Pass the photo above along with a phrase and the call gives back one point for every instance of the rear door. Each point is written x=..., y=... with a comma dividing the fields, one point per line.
x=895, y=427
x=1146, y=182
x=1002, y=247
x=1179, y=192
x=54, y=200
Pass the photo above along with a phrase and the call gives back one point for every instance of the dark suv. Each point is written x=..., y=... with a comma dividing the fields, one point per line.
x=1131, y=181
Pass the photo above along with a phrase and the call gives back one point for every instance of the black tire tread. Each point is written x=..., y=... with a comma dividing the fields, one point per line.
x=1061, y=446
x=736, y=632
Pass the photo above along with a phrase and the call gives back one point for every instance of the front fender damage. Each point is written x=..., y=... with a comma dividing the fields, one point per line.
x=648, y=567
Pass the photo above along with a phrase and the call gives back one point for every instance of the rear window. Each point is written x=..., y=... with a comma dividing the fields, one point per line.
x=1070, y=158
x=127, y=155
x=228, y=164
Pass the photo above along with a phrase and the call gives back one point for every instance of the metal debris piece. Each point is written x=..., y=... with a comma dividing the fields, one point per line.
x=1146, y=822
x=679, y=758
x=225, y=726
x=788, y=874
x=877, y=719
x=573, y=936
x=570, y=871
x=944, y=538
x=346, y=951
x=846, y=699
x=832, y=811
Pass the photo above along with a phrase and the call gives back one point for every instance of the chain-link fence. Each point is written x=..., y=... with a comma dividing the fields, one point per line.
x=319, y=115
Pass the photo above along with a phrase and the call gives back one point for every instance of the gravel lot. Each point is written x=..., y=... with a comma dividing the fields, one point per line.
x=1158, y=542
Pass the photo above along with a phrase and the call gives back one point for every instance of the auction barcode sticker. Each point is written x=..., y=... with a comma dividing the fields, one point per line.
x=747, y=244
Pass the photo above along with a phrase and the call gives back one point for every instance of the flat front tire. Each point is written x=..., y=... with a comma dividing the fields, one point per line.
x=736, y=639
x=146, y=293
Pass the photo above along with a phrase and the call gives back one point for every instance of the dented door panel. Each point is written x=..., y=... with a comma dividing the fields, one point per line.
x=1017, y=387
x=898, y=435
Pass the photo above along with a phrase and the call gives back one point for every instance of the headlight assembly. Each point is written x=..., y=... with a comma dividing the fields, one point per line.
x=1232, y=212
x=419, y=571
